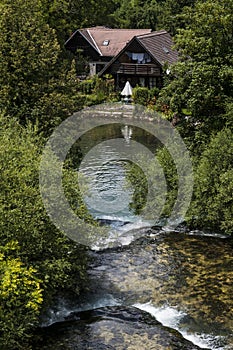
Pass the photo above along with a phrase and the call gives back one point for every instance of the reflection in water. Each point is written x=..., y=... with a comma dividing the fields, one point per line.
x=105, y=174
x=127, y=132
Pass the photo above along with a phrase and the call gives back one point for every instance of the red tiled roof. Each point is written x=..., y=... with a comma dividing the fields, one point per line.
x=116, y=38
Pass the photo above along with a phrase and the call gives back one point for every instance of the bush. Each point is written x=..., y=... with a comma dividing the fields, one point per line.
x=21, y=299
x=87, y=86
x=213, y=205
x=44, y=253
x=141, y=95
x=154, y=92
x=96, y=90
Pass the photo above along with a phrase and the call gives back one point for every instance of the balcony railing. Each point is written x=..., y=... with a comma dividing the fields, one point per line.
x=136, y=69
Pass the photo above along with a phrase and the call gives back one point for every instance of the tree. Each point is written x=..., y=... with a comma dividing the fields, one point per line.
x=43, y=253
x=213, y=205
x=154, y=14
x=202, y=80
x=66, y=16
x=170, y=14
x=33, y=76
x=138, y=14
x=28, y=56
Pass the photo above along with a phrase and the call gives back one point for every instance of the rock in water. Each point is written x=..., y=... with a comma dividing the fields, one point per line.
x=117, y=328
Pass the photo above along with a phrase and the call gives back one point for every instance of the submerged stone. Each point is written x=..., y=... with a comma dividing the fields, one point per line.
x=117, y=328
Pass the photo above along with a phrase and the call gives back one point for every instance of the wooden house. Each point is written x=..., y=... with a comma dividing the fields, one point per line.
x=100, y=44
x=136, y=55
x=141, y=61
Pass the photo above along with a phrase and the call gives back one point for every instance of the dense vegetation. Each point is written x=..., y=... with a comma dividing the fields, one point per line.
x=197, y=98
x=39, y=89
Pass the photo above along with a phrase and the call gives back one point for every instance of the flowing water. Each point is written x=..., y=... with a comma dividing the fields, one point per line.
x=152, y=289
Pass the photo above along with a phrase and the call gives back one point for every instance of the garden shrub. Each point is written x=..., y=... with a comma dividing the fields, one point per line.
x=141, y=95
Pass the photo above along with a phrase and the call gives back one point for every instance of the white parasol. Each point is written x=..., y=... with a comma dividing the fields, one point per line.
x=128, y=90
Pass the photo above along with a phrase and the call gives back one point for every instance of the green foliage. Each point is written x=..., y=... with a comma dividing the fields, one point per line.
x=65, y=16
x=170, y=16
x=136, y=178
x=213, y=206
x=28, y=56
x=132, y=14
x=145, y=97
x=96, y=90
x=57, y=262
x=87, y=86
x=154, y=14
x=141, y=95
x=202, y=81
x=229, y=113
x=36, y=84
x=39, y=89
x=21, y=298
x=170, y=172
x=150, y=199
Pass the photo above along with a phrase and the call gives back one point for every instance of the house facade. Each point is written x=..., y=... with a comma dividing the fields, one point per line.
x=100, y=44
x=134, y=55
x=142, y=60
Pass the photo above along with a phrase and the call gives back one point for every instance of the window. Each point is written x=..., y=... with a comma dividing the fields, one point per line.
x=106, y=42
x=165, y=49
x=152, y=82
x=141, y=81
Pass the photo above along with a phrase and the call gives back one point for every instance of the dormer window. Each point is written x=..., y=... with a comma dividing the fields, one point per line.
x=106, y=42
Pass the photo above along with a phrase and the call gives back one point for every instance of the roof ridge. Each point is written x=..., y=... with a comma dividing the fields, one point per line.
x=97, y=27
x=155, y=33
x=116, y=29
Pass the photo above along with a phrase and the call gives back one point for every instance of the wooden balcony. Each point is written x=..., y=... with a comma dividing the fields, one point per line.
x=136, y=69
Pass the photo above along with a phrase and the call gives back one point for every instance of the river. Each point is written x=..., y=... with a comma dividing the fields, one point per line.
x=149, y=287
